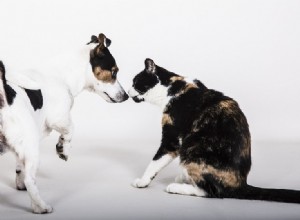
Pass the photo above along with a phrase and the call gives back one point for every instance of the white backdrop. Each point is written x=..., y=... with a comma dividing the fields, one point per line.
x=249, y=50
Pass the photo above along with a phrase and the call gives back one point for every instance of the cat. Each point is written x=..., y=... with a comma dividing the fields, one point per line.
x=207, y=131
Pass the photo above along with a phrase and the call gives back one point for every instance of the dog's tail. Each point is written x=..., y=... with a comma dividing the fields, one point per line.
x=256, y=193
x=3, y=103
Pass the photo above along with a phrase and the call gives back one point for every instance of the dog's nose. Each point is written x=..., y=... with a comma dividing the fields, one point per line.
x=125, y=97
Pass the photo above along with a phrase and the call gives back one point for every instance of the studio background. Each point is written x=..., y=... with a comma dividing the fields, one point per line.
x=249, y=50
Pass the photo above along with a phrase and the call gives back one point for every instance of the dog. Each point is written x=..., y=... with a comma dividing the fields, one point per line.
x=33, y=103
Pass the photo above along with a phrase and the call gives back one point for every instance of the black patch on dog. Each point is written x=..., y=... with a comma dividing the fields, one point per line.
x=10, y=93
x=105, y=60
x=35, y=97
x=94, y=39
x=2, y=67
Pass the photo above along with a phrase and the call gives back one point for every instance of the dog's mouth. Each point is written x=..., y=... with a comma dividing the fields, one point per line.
x=110, y=99
x=137, y=99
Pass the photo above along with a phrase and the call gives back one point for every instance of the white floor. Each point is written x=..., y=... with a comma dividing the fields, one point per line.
x=95, y=184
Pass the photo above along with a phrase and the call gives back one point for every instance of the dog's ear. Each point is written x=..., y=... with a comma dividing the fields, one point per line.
x=94, y=39
x=103, y=40
x=150, y=66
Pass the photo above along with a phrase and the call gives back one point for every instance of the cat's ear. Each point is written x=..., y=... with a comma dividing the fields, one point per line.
x=150, y=66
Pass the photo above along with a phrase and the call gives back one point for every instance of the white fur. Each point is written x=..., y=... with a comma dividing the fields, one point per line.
x=158, y=95
x=183, y=177
x=60, y=82
x=185, y=189
x=153, y=168
x=184, y=185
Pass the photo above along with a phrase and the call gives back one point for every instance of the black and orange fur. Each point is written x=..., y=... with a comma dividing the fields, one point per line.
x=210, y=134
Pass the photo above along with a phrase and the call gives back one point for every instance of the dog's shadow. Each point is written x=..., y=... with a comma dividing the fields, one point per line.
x=9, y=202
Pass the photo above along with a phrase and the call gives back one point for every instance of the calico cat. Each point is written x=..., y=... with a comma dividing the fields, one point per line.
x=208, y=132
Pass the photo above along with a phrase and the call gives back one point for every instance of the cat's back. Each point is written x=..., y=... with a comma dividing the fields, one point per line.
x=219, y=134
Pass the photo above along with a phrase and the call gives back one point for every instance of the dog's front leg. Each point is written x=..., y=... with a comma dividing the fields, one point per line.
x=63, y=145
x=20, y=185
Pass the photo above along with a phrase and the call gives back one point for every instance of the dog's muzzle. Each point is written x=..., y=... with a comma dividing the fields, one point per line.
x=119, y=98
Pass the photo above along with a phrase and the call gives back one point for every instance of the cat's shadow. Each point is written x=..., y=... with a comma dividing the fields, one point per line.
x=134, y=161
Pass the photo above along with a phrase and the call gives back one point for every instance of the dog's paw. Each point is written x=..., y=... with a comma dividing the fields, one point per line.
x=61, y=151
x=140, y=183
x=63, y=157
x=42, y=209
x=20, y=185
x=59, y=148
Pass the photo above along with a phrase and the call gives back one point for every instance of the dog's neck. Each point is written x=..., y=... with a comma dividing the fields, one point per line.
x=72, y=70
x=75, y=71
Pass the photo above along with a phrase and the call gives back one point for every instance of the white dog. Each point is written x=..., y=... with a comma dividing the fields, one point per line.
x=33, y=103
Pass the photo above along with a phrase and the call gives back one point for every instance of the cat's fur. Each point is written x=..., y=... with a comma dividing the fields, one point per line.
x=209, y=133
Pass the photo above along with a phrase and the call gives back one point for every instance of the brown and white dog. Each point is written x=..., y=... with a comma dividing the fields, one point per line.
x=33, y=103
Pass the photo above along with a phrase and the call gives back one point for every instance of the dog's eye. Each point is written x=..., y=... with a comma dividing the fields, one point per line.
x=114, y=72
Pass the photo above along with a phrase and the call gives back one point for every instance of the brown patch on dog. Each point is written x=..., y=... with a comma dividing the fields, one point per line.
x=228, y=178
x=101, y=45
x=104, y=75
x=166, y=119
x=3, y=145
x=175, y=78
x=2, y=101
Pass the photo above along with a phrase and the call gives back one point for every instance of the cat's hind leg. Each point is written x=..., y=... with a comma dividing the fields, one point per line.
x=185, y=189
x=183, y=177
x=185, y=183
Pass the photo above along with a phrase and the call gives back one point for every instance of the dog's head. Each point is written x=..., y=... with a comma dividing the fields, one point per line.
x=151, y=84
x=105, y=69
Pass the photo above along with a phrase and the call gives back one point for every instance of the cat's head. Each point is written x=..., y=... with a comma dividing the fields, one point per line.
x=151, y=84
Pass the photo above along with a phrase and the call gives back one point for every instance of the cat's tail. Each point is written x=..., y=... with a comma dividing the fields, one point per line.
x=3, y=103
x=256, y=193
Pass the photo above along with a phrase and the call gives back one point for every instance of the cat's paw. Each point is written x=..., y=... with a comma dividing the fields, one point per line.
x=173, y=188
x=140, y=183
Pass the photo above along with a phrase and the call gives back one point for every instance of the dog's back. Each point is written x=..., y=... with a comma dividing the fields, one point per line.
x=2, y=104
